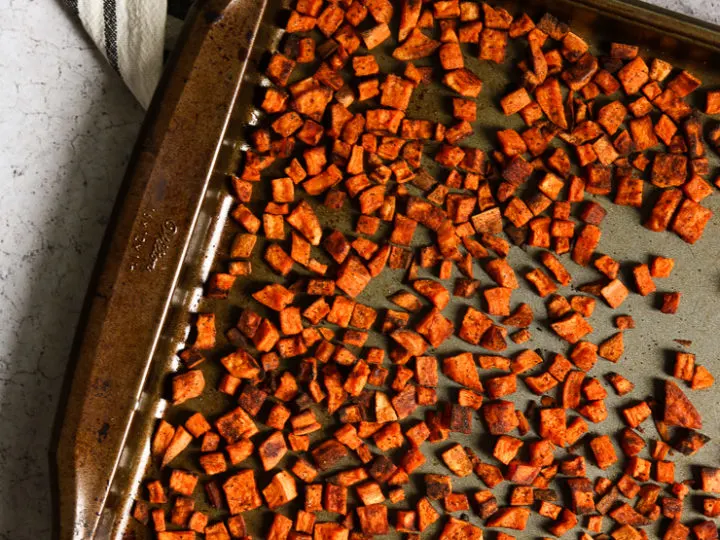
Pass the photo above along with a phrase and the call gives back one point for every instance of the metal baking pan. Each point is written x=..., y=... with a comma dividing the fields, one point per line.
x=169, y=230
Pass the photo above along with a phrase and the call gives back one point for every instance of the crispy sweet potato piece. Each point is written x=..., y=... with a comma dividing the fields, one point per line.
x=643, y=280
x=679, y=411
x=634, y=75
x=643, y=133
x=542, y=283
x=522, y=317
x=515, y=101
x=461, y=369
x=669, y=170
x=500, y=417
x=663, y=210
x=552, y=425
x=690, y=221
x=701, y=379
x=579, y=74
x=550, y=99
x=493, y=44
x=510, y=518
x=464, y=82
x=572, y=328
x=416, y=46
x=457, y=460
x=585, y=244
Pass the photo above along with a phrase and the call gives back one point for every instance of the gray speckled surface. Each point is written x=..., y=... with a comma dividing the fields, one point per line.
x=706, y=10
x=67, y=127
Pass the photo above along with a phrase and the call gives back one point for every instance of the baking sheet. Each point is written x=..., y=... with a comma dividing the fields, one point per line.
x=649, y=347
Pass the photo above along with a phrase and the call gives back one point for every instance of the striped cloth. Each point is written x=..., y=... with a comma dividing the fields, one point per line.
x=131, y=34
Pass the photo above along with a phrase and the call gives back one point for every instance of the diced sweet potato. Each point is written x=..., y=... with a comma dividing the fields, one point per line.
x=679, y=411
x=542, y=283
x=690, y=221
x=510, y=518
x=572, y=328
x=464, y=82
x=461, y=369
x=493, y=44
x=614, y=293
x=500, y=417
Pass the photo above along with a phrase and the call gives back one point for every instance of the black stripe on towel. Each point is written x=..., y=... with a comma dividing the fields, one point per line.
x=72, y=5
x=110, y=17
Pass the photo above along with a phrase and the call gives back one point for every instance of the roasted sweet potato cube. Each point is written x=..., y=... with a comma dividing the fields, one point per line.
x=187, y=386
x=437, y=486
x=557, y=307
x=636, y=414
x=365, y=65
x=643, y=280
x=584, y=355
x=701, y=379
x=612, y=348
x=690, y=221
x=451, y=56
x=274, y=101
x=552, y=425
x=396, y=92
x=669, y=170
x=663, y=210
x=585, y=244
x=614, y=293
x=328, y=454
x=416, y=46
x=156, y=492
x=542, y=283
x=426, y=514
x=500, y=417
x=679, y=411
x=571, y=389
x=549, y=510
x=621, y=385
x=491, y=477
x=665, y=472
x=353, y=276
x=515, y=101
x=634, y=75
x=497, y=387
x=582, y=495
x=517, y=212
x=464, y=82
x=711, y=507
x=464, y=109
x=572, y=328
x=643, y=133
x=510, y=518
x=511, y=142
x=696, y=189
x=456, y=502
x=493, y=44
x=494, y=339
x=521, y=336
x=457, y=460
x=595, y=411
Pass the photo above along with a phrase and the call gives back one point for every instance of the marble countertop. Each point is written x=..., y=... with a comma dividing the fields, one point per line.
x=67, y=126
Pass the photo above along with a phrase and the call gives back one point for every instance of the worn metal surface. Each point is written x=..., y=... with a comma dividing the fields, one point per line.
x=152, y=226
x=685, y=43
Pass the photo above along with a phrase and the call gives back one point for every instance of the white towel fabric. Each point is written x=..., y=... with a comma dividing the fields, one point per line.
x=131, y=35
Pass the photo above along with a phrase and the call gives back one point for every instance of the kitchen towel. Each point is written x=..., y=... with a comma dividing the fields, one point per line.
x=131, y=36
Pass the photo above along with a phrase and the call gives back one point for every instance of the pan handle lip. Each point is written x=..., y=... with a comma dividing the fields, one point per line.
x=141, y=256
